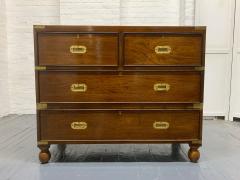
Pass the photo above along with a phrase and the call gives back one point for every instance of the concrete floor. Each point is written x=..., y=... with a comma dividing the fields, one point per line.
x=220, y=156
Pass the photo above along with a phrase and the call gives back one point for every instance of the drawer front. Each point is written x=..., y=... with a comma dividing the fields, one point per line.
x=145, y=50
x=78, y=49
x=66, y=86
x=119, y=125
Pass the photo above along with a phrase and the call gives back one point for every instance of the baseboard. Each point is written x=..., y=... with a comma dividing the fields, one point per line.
x=236, y=119
x=213, y=117
x=214, y=114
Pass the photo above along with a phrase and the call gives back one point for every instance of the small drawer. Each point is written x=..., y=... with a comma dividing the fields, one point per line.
x=162, y=50
x=78, y=49
x=67, y=86
x=125, y=125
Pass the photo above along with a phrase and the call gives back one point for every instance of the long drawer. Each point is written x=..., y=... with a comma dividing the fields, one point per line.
x=70, y=86
x=120, y=125
x=66, y=49
x=162, y=50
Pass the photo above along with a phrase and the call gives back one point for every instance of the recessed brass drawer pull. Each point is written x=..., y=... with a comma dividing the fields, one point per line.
x=79, y=125
x=160, y=125
x=163, y=49
x=161, y=87
x=79, y=87
x=77, y=49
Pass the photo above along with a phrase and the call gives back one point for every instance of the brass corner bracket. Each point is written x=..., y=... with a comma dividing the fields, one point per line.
x=41, y=106
x=197, y=142
x=40, y=68
x=200, y=28
x=198, y=106
x=44, y=142
x=39, y=26
x=199, y=68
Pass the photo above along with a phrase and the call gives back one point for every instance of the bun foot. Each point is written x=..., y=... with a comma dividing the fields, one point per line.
x=193, y=153
x=44, y=155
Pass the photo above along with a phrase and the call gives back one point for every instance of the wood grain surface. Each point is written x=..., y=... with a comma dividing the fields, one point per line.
x=139, y=49
x=119, y=125
x=56, y=87
x=101, y=49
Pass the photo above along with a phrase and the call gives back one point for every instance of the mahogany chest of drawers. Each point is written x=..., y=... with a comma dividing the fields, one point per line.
x=119, y=84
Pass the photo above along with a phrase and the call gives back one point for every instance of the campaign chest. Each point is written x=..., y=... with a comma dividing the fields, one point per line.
x=119, y=84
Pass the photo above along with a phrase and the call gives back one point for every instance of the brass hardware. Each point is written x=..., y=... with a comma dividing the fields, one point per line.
x=79, y=87
x=163, y=49
x=41, y=106
x=160, y=125
x=199, y=68
x=39, y=26
x=197, y=142
x=42, y=142
x=40, y=68
x=198, y=106
x=79, y=125
x=76, y=49
x=199, y=28
x=161, y=87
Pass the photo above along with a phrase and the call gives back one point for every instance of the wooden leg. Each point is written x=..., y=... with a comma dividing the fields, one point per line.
x=193, y=153
x=44, y=155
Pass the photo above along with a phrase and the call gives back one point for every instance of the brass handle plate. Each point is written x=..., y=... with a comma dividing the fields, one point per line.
x=161, y=87
x=79, y=125
x=77, y=49
x=160, y=125
x=163, y=49
x=79, y=87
